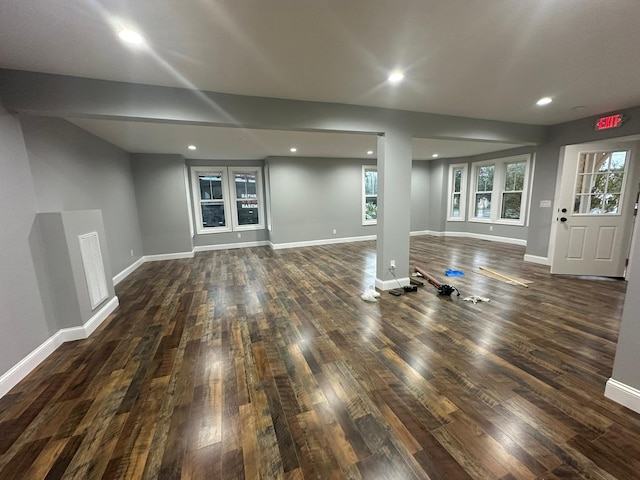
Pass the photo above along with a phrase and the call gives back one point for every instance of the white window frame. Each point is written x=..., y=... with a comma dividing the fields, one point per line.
x=474, y=191
x=523, y=192
x=229, y=200
x=499, y=175
x=267, y=194
x=363, y=203
x=233, y=198
x=197, y=201
x=462, y=207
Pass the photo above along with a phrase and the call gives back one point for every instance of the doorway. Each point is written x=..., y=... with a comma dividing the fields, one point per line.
x=595, y=209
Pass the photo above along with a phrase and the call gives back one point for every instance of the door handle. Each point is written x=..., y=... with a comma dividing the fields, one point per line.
x=563, y=219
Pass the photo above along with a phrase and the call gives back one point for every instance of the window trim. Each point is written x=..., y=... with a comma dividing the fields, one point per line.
x=197, y=201
x=228, y=199
x=521, y=192
x=463, y=192
x=475, y=167
x=363, y=200
x=499, y=175
x=233, y=198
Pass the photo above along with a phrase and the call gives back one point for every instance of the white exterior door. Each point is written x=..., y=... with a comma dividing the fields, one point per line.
x=594, y=211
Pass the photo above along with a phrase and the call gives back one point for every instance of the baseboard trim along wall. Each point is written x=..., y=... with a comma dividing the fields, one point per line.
x=538, y=260
x=391, y=284
x=623, y=394
x=326, y=241
x=426, y=232
x=37, y=356
x=167, y=256
x=491, y=238
x=478, y=236
x=228, y=246
x=127, y=271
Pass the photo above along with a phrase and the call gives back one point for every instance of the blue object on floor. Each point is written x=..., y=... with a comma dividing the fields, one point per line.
x=454, y=273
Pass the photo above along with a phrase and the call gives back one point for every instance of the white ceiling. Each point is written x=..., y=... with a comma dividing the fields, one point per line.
x=484, y=59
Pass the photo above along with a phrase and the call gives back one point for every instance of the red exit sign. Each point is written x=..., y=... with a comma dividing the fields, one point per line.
x=610, y=121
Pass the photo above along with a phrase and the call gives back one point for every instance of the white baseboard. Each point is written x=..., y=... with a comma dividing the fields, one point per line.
x=433, y=233
x=227, y=246
x=100, y=316
x=326, y=241
x=478, y=236
x=167, y=256
x=491, y=238
x=25, y=366
x=391, y=284
x=536, y=259
x=127, y=271
x=623, y=394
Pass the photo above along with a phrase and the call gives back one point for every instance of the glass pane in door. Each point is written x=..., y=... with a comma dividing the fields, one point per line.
x=599, y=182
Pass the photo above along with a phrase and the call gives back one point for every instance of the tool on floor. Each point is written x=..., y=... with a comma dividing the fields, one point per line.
x=502, y=277
x=442, y=288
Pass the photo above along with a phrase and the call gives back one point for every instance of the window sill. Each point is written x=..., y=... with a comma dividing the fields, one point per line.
x=213, y=230
x=514, y=223
x=245, y=228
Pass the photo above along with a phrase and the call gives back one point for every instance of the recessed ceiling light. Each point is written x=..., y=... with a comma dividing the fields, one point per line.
x=396, y=76
x=192, y=147
x=435, y=155
x=131, y=36
x=370, y=152
x=293, y=149
x=544, y=101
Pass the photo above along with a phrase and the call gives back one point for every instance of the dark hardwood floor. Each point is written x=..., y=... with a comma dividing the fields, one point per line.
x=264, y=364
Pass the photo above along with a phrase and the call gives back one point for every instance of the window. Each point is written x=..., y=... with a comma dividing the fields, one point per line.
x=247, y=211
x=599, y=183
x=457, y=192
x=227, y=199
x=500, y=190
x=513, y=190
x=369, y=195
x=212, y=203
x=484, y=191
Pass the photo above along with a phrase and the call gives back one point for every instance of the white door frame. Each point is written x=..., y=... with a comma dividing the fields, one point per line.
x=634, y=171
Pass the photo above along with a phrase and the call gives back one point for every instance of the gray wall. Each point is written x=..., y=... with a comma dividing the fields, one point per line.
x=543, y=189
x=56, y=278
x=74, y=170
x=312, y=196
x=22, y=318
x=420, y=192
x=162, y=203
x=625, y=367
x=64, y=278
x=437, y=204
x=583, y=130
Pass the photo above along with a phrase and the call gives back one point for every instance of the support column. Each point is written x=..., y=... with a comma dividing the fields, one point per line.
x=394, y=203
